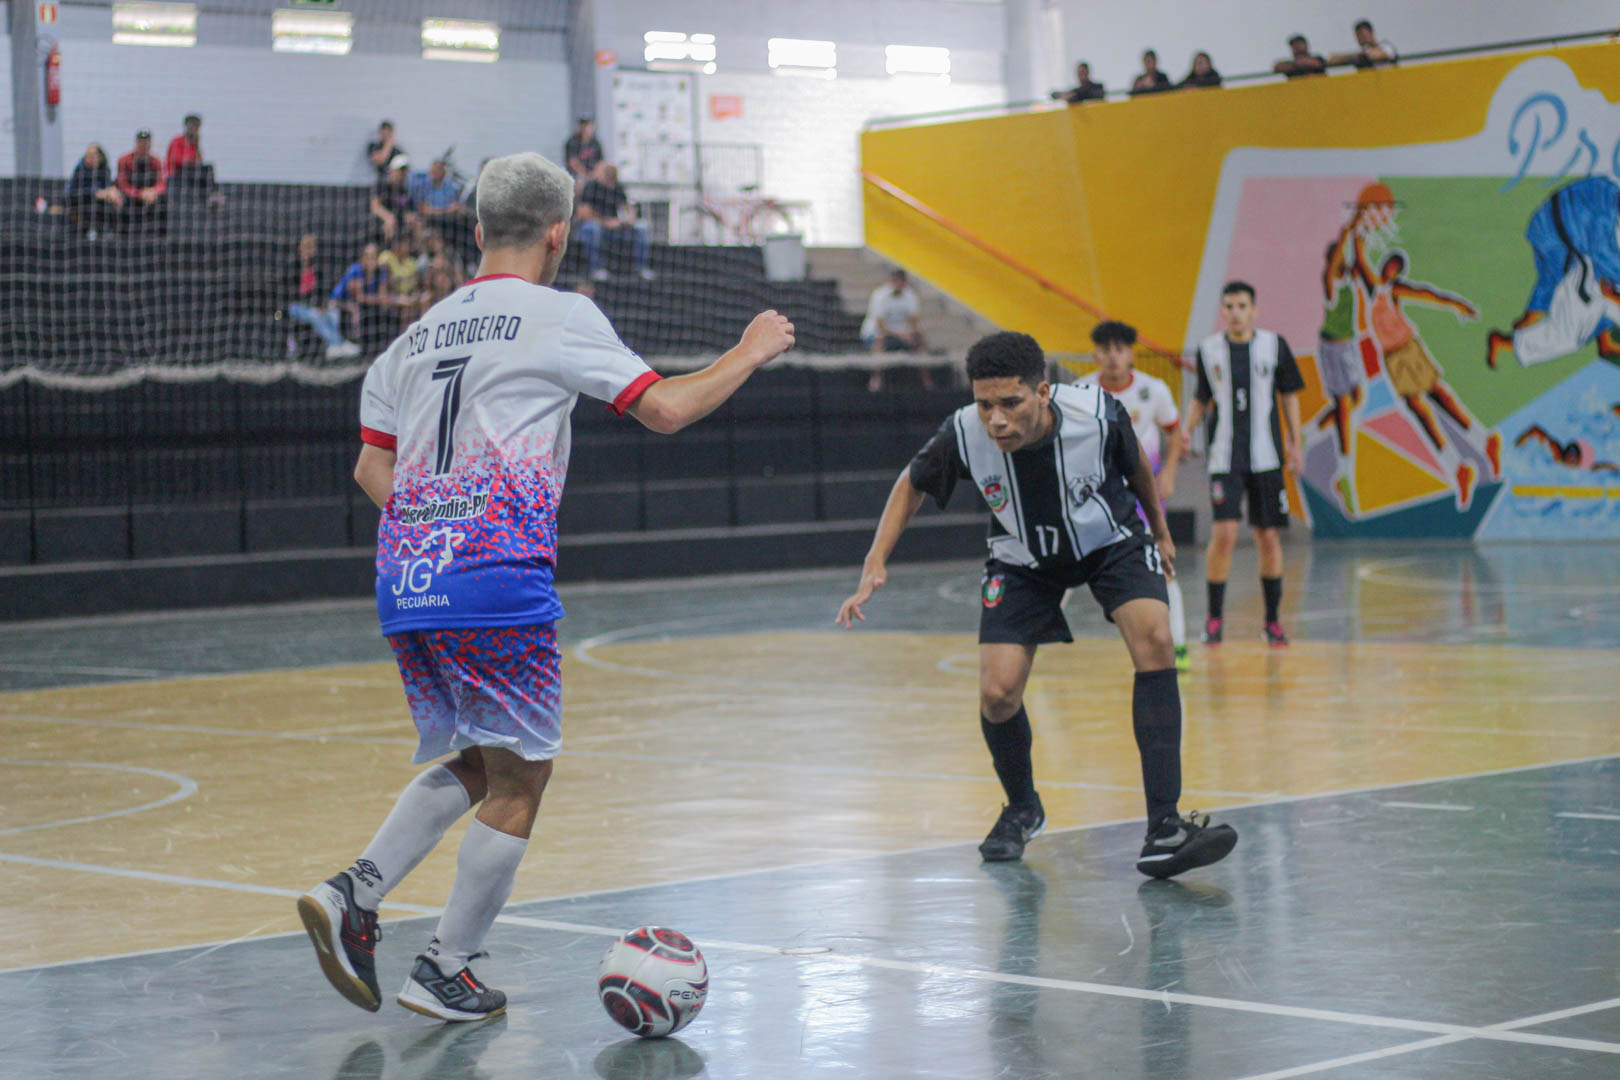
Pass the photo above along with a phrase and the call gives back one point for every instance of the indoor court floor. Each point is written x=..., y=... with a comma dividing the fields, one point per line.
x=1426, y=787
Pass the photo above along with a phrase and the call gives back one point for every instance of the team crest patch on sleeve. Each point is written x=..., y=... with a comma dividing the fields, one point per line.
x=1217, y=491
x=994, y=588
x=994, y=493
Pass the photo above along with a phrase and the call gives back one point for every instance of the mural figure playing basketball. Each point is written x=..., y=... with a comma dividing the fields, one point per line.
x=1412, y=370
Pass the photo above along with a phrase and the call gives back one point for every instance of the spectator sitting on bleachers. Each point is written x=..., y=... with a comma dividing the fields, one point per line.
x=434, y=250
x=184, y=165
x=891, y=324
x=362, y=291
x=391, y=197
x=1369, y=53
x=436, y=196
x=324, y=320
x=1203, y=73
x=435, y=193
x=440, y=280
x=382, y=150
x=582, y=153
x=140, y=178
x=403, y=280
x=91, y=199
x=1152, y=80
x=605, y=212
x=1084, y=89
x=1301, y=60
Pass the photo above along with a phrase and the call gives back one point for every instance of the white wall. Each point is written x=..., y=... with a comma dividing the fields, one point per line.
x=8, y=146
x=1249, y=35
x=861, y=28
x=306, y=118
x=810, y=129
x=283, y=117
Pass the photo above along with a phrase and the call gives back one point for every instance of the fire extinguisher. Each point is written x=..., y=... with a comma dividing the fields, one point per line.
x=53, y=76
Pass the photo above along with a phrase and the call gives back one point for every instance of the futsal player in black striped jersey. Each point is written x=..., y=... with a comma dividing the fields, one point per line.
x=1060, y=470
x=1242, y=375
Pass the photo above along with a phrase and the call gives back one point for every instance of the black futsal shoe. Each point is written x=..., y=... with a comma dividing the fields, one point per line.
x=1178, y=844
x=449, y=997
x=1016, y=826
x=345, y=936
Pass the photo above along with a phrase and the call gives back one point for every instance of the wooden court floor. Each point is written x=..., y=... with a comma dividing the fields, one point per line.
x=716, y=729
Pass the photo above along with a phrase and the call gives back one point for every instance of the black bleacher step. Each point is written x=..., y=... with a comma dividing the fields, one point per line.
x=103, y=587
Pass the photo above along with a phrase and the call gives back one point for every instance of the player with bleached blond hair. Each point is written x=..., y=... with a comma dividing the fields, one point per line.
x=465, y=426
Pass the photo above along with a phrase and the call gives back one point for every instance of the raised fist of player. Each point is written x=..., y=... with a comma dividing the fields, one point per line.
x=767, y=337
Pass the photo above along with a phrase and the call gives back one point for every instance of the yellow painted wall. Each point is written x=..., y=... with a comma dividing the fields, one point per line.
x=1112, y=200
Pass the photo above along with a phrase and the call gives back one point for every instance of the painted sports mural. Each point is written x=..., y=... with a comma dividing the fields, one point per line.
x=1455, y=307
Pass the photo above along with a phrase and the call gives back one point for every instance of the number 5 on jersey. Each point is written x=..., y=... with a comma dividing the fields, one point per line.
x=451, y=372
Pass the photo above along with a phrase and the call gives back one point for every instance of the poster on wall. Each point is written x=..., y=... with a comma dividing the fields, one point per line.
x=654, y=129
x=1456, y=309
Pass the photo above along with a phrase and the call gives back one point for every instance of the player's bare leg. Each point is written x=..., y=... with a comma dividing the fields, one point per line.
x=1217, y=565
x=1003, y=673
x=1174, y=842
x=1426, y=421
x=1269, y=544
x=441, y=985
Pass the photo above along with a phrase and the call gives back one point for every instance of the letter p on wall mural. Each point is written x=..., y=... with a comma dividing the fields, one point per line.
x=1455, y=306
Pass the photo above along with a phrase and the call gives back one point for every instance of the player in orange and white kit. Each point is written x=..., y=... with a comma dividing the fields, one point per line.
x=1155, y=419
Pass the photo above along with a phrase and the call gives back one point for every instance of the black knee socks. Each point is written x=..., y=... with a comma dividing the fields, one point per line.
x=1215, y=591
x=1272, y=588
x=1156, y=719
x=1009, y=744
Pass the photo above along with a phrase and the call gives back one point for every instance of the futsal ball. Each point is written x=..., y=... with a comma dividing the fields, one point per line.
x=653, y=981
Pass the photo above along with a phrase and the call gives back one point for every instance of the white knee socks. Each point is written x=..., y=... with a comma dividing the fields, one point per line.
x=428, y=806
x=484, y=871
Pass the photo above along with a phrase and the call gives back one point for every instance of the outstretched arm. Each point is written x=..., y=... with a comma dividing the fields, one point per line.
x=904, y=502
x=1428, y=294
x=669, y=405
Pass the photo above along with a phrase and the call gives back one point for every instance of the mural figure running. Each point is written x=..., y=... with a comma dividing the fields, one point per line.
x=1575, y=238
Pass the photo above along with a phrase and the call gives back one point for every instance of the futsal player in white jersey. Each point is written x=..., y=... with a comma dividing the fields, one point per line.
x=465, y=425
x=1156, y=420
x=1060, y=470
x=1243, y=374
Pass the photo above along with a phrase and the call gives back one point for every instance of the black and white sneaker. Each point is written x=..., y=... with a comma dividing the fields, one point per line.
x=1182, y=843
x=345, y=936
x=449, y=997
x=1016, y=826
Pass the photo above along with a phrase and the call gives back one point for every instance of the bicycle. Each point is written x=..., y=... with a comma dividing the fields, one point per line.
x=746, y=218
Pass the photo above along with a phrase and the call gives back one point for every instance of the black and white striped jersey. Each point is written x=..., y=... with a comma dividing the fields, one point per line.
x=1054, y=503
x=1242, y=381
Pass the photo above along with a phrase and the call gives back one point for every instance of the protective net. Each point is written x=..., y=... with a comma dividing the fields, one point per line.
x=189, y=334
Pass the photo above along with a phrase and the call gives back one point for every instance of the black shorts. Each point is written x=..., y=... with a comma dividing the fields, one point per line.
x=1266, y=492
x=1019, y=606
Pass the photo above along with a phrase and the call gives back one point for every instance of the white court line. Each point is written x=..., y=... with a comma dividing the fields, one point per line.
x=1377, y=572
x=185, y=786
x=1454, y=808
x=177, y=879
x=614, y=755
x=1589, y=817
x=1426, y=1044
x=79, y=669
x=1281, y=800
